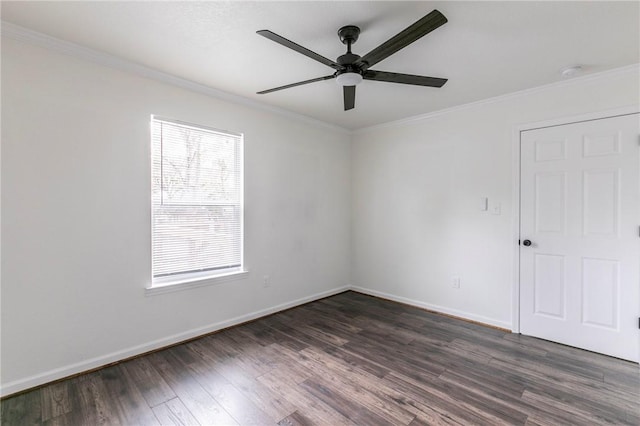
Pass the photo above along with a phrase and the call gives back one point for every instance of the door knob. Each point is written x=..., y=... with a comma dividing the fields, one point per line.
x=526, y=243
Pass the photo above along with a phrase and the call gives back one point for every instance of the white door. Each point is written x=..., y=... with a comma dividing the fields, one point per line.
x=580, y=212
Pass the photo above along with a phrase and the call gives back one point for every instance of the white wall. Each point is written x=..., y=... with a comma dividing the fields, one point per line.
x=395, y=213
x=76, y=215
x=417, y=187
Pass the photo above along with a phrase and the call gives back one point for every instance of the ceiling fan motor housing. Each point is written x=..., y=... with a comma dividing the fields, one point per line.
x=348, y=60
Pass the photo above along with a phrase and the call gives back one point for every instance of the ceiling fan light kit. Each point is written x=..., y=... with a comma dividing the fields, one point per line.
x=351, y=69
x=349, y=79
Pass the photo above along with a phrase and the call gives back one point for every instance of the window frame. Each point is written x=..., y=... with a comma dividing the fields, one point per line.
x=184, y=280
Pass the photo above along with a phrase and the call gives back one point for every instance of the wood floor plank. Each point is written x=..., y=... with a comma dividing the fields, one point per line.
x=94, y=405
x=495, y=351
x=266, y=335
x=543, y=361
x=367, y=390
x=358, y=361
x=275, y=405
x=23, y=409
x=424, y=420
x=243, y=378
x=629, y=382
x=488, y=381
x=594, y=397
x=446, y=356
x=506, y=389
x=436, y=402
x=223, y=348
x=61, y=420
x=498, y=389
x=199, y=403
x=378, y=329
x=320, y=315
x=323, y=335
x=400, y=358
x=377, y=396
x=347, y=310
x=315, y=411
x=227, y=395
x=147, y=379
x=295, y=419
x=549, y=377
x=55, y=400
x=488, y=406
x=173, y=412
x=127, y=400
x=307, y=339
x=351, y=409
x=261, y=356
x=605, y=410
x=578, y=355
x=294, y=371
x=368, y=381
x=577, y=415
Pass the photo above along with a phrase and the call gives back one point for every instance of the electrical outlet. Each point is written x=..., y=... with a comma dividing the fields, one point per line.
x=455, y=282
x=496, y=209
x=266, y=281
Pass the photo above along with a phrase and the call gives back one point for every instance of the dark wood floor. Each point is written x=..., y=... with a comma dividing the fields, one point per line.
x=348, y=359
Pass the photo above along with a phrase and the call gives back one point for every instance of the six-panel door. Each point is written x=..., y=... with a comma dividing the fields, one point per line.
x=580, y=207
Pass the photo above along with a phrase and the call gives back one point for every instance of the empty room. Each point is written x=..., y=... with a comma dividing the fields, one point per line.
x=320, y=213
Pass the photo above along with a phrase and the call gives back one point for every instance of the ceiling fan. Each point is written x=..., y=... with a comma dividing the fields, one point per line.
x=351, y=69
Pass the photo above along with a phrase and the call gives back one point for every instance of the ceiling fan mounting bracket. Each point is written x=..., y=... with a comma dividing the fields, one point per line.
x=349, y=34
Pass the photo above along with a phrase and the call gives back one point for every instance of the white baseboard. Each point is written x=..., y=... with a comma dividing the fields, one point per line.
x=93, y=363
x=434, y=308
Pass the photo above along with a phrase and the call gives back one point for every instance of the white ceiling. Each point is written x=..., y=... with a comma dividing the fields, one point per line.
x=486, y=49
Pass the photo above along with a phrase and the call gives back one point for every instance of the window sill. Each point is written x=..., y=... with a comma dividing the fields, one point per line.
x=193, y=282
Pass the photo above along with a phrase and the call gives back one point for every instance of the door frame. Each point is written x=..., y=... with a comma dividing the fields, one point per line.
x=516, y=190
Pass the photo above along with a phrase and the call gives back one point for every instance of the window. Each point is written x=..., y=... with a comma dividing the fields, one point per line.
x=196, y=202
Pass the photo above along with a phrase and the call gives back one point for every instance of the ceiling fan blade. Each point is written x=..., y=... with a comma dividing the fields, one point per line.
x=349, y=97
x=404, y=38
x=294, y=46
x=300, y=83
x=393, y=77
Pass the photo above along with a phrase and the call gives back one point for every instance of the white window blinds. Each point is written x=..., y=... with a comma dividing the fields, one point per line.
x=196, y=199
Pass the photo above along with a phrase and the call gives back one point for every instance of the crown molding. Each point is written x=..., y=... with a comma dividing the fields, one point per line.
x=25, y=35
x=500, y=98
